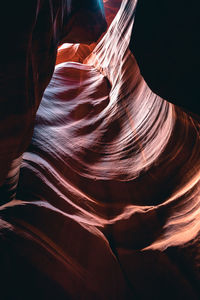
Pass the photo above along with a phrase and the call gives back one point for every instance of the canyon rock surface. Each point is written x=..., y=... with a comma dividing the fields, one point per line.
x=108, y=202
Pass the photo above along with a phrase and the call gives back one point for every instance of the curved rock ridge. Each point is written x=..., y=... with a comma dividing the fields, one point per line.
x=108, y=199
x=31, y=33
x=78, y=52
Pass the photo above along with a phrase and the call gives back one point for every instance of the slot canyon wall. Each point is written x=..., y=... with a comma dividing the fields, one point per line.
x=108, y=200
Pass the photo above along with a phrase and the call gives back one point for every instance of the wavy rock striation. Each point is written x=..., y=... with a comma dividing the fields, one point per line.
x=108, y=200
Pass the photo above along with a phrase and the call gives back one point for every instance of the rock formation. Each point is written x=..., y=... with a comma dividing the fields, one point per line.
x=108, y=204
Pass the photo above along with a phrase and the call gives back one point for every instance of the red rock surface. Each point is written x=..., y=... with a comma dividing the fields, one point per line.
x=108, y=198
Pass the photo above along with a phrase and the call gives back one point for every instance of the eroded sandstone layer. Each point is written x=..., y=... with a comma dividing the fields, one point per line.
x=108, y=199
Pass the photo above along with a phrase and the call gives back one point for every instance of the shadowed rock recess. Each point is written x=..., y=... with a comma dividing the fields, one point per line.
x=166, y=43
x=108, y=200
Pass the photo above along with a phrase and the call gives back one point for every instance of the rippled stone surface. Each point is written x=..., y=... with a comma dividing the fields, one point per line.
x=31, y=33
x=108, y=201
